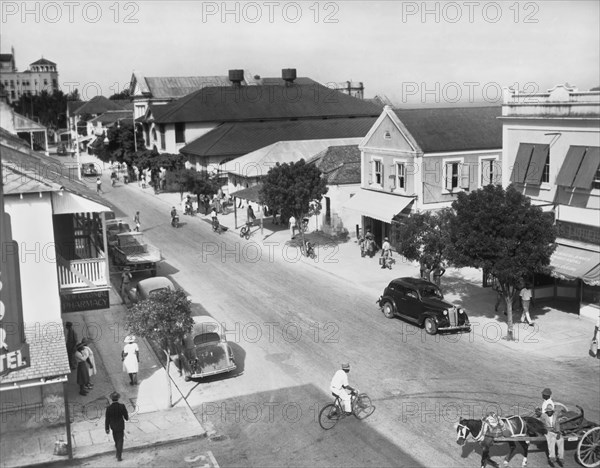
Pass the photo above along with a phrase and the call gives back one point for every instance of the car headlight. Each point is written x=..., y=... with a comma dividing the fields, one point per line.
x=445, y=312
x=461, y=311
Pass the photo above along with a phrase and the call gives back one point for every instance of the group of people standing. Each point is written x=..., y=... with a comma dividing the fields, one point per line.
x=81, y=359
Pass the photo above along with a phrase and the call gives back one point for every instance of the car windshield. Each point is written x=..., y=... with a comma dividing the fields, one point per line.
x=431, y=291
x=156, y=291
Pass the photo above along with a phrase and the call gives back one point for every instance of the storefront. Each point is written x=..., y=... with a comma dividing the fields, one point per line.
x=575, y=277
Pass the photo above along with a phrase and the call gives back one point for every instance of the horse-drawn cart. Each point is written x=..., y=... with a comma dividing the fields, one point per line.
x=574, y=427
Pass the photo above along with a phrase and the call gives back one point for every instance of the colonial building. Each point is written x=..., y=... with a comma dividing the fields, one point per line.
x=42, y=75
x=551, y=153
x=204, y=124
x=420, y=159
x=30, y=131
x=157, y=90
x=56, y=263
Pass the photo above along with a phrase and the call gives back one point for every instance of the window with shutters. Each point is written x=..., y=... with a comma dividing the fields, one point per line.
x=452, y=175
x=378, y=172
x=161, y=129
x=401, y=176
x=546, y=170
x=489, y=172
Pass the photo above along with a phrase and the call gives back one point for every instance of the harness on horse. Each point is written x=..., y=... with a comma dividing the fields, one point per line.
x=492, y=426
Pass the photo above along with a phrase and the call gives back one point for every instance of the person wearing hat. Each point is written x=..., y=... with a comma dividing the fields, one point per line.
x=340, y=388
x=116, y=415
x=131, y=357
x=553, y=437
x=546, y=394
x=386, y=252
x=89, y=355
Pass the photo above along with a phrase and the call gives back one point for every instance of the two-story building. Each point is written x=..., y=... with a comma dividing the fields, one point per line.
x=53, y=261
x=414, y=160
x=42, y=75
x=551, y=153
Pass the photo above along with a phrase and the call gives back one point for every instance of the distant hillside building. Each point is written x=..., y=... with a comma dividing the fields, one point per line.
x=41, y=75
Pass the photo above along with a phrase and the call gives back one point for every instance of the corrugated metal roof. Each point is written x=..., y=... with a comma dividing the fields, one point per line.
x=445, y=129
x=112, y=116
x=239, y=138
x=258, y=163
x=26, y=171
x=98, y=105
x=66, y=202
x=169, y=87
x=244, y=103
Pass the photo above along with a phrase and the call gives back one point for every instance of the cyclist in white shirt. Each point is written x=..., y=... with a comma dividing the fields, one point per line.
x=340, y=388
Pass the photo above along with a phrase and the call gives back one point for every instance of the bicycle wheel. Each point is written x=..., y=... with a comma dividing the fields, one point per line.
x=329, y=416
x=362, y=407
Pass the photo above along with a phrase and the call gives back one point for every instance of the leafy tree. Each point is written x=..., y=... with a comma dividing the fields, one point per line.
x=164, y=318
x=74, y=96
x=292, y=187
x=425, y=237
x=121, y=146
x=500, y=232
x=47, y=108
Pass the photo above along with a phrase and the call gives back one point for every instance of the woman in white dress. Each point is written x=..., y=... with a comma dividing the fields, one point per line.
x=131, y=357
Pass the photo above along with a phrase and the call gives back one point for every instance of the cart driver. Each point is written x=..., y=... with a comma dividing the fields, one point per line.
x=340, y=388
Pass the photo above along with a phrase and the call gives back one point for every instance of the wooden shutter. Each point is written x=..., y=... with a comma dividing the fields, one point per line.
x=370, y=179
x=465, y=175
x=448, y=181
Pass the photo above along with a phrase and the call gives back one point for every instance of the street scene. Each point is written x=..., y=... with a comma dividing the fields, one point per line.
x=205, y=266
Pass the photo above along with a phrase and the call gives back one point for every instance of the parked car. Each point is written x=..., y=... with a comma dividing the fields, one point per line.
x=422, y=303
x=89, y=170
x=204, y=351
x=149, y=286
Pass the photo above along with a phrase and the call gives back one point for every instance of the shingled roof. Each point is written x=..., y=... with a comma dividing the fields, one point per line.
x=339, y=164
x=244, y=103
x=444, y=129
x=238, y=138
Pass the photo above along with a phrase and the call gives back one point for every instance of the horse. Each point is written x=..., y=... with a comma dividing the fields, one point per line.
x=511, y=426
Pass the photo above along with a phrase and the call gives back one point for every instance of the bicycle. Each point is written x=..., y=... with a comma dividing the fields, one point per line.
x=333, y=412
x=245, y=230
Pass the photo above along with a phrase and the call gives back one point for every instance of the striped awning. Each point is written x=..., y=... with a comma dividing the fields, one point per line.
x=572, y=263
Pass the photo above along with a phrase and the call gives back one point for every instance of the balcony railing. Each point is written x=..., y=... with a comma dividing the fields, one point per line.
x=85, y=273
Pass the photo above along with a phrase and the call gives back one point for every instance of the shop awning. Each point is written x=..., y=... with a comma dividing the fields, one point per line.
x=573, y=263
x=66, y=202
x=378, y=205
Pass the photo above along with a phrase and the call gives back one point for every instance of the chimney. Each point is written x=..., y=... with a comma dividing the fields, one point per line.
x=236, y=77
x=288, y=75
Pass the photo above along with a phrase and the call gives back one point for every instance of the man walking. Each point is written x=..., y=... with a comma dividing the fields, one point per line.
x=99, y=185
x=525, y=302
x=116, y=415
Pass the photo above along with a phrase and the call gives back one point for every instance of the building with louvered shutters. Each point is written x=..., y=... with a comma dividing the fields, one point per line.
x=551, y=153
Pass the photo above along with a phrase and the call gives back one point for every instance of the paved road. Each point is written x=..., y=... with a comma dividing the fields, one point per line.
x=291, y=325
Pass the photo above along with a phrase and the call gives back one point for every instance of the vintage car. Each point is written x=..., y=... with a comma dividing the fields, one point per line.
x=422, y=303
x=205, y=351
x=114, y=227
x=89, y=170
x=149, y=286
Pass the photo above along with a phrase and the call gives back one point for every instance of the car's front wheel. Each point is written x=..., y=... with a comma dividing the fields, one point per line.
x=388, y=309
x=430, y=326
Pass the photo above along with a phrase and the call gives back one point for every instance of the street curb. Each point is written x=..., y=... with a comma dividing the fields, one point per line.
x=103, y=449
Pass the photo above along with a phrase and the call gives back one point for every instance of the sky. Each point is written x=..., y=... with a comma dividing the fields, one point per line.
x=417, y=54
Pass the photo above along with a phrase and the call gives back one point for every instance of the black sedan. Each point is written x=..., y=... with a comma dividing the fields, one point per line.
x=422, y=303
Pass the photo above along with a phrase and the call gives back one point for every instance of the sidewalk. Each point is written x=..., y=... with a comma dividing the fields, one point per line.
x=151, y=421
x=557, y=334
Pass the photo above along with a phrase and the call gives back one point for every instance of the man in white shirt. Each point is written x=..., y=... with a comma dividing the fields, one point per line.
x=546, y=394
x=292, y=223
x=526, y=301
x=340, y=388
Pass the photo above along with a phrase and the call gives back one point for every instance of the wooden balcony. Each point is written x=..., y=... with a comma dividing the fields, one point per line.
x=84, y=274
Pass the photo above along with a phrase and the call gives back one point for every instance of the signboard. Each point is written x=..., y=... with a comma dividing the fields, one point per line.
x=85, y=301
x=14, y=351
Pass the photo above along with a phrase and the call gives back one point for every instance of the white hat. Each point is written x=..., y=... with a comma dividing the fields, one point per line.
x=129, y=339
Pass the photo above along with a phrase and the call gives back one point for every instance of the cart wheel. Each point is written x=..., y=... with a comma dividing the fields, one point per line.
x=588, y=449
